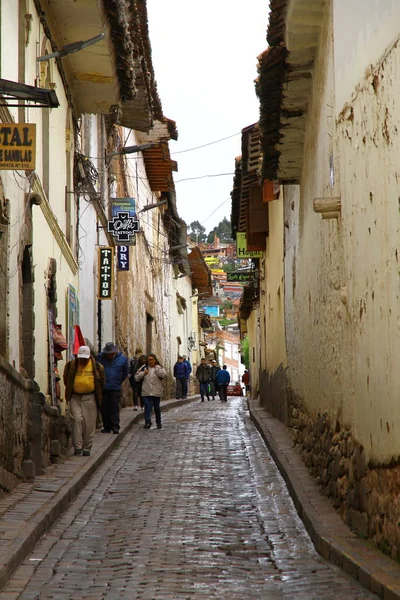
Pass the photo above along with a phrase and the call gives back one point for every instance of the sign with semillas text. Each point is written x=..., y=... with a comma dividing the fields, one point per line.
x=106, y=272
x=17, y=146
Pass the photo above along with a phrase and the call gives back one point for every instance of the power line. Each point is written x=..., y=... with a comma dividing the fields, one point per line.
x=208, y=144
x=204, y=176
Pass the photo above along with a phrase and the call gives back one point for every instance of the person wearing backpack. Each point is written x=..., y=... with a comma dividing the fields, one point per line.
x=135, y=385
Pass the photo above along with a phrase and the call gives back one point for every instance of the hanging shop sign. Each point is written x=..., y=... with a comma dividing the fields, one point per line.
x=123, y=258
x=17, y=146
x=106, y=272
x=241, y=276
x=124, y=223
x=241, y=248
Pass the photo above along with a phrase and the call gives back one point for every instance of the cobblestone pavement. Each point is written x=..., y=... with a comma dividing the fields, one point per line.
x=194, y=510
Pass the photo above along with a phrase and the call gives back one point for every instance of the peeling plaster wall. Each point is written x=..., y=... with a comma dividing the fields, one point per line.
x=342, y=276
x=369, y=146
x=358, y=46
x=272, y=327
x=319, y=348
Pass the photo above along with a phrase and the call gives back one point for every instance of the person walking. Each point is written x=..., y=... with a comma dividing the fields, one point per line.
x=214, y=370
x=151, y=374
x=223, y=379
x=246, y=380
x=203, y=374
x=84, y=380
x=189, y=366
x=133, y=367
x=116, y=370
x=181, y=374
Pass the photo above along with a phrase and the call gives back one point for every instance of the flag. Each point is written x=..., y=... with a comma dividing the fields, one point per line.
x=78, y=340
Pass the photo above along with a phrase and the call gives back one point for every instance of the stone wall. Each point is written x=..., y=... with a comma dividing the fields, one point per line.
x=366, y=495
x=32, y=434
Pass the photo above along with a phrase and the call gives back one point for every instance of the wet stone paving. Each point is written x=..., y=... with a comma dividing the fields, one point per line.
x=195, y=510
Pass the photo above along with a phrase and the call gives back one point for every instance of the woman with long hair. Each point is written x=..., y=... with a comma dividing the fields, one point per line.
x=151, y=375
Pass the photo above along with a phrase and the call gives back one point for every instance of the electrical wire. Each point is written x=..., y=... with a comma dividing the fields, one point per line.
x=208, y=144
x=204, y=176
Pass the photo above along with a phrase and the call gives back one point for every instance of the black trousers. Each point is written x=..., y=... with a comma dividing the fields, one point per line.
x=110, y=409
x=223, y=392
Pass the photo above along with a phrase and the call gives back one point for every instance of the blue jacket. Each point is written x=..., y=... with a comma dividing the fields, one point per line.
x=223, y=377
x=189, y=366
x=181, y=370
x=115, y=371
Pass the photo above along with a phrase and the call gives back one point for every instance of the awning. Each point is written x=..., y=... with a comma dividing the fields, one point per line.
x=114, y=75
x=201, y=274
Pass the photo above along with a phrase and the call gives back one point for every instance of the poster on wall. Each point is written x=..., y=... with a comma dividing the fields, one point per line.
x=52, y=360
x=106, y=272
x=72, y=317
x=17, y=146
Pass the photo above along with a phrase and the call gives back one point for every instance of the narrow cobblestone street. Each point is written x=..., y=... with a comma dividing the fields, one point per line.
x=195, y=510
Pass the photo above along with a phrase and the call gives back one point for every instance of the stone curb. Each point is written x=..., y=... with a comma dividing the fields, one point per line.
x=23, y=545
x=329, y=534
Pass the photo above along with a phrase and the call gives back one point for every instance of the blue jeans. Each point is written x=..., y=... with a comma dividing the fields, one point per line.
x=204, y=389
x=149, y=402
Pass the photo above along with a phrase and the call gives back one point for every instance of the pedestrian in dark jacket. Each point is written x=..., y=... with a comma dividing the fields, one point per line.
x=116, y=371
x=83, y=379
x=137, y=385
x=189, y=366
x=181, y=374
x=214, y=370
x=133, y=367
x=223, y=379
x=203, y=374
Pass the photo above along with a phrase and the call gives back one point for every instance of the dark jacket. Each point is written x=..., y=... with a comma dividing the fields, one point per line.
x=116, y=371
x=203, y=373
x=189, y=366
x=69, y=378
x=223, y=377
x=181, y=370
x=214, y=371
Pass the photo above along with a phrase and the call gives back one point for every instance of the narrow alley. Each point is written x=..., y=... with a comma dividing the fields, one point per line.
x=195, y=510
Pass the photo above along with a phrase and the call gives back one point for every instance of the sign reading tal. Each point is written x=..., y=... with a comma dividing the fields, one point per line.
x=123, y=258
x=17, y=146
x=106, y=272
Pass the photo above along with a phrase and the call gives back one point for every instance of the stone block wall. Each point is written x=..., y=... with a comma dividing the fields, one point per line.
x=32, y=434
x=366, y=495
x=14, y=429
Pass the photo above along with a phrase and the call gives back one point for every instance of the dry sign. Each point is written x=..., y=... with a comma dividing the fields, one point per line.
x=17, y=146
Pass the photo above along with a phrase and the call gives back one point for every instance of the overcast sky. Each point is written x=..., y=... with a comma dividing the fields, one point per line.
x=205, y=62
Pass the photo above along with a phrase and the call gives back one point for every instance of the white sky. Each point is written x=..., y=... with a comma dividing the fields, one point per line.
x=205, y=62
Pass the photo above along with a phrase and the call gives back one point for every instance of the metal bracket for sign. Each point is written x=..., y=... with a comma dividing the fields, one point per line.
x=12, y=90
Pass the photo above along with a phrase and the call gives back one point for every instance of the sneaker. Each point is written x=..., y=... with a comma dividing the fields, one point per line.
x=147, y=426
x=159, y=426
x=86, y=453
x=106, y=431
x=115, y=431
x=202, y=399
x=135, y=408
x=78, y=452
